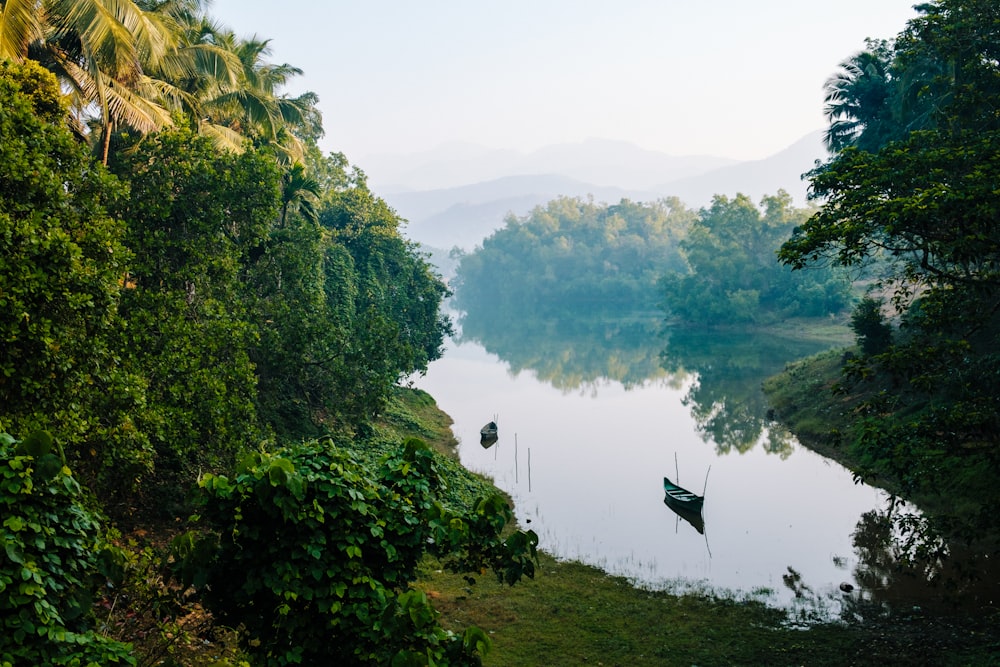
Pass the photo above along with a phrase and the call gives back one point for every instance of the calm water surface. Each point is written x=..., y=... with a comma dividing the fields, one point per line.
x=588, y=431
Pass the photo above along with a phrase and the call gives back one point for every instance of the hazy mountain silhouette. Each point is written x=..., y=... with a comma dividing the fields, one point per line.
x=465, y=215
x=467, y=211
x=597, y=161
x=756, y=178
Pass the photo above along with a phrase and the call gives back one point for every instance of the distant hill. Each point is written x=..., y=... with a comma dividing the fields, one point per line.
x=463, y=211
x=756, y=178
x=597, y=161
x=463, y=216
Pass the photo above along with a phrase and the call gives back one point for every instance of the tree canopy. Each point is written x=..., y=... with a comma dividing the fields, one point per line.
x=175, y=311
x=572, y=253
x=733, y=275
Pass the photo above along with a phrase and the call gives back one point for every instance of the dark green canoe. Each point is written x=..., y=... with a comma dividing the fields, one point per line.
x=685, y=504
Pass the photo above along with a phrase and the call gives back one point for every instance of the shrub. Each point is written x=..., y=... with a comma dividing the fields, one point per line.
x=874, y=334
x=326, y=548
x=54, y=560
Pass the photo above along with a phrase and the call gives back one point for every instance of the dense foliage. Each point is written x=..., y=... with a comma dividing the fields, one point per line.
x=55, y=560
x=576, y=254
x=327, y=547
x=921, y=199
x=713, y=267
x=734, y=277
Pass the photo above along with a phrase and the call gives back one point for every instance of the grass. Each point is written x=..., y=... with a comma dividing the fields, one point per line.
x=573, y=614
x=802, y=398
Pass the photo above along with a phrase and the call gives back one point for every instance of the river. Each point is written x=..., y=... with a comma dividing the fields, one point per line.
x=591, y=420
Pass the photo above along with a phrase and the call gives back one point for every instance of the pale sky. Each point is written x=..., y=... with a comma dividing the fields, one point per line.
x=732, y=78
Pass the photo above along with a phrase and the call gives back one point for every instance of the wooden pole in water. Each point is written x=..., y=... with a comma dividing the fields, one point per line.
x=706, y=481
x=515, y=460
x=529, y=469
x=677, y=471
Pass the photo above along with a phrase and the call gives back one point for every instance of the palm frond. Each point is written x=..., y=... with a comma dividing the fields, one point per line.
x=20, y=24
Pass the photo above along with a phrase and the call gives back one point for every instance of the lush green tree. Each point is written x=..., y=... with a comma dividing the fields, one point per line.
x=398, y=326
x=578, y=254
x=194, y=217
x=62, y=263
x=734, y=277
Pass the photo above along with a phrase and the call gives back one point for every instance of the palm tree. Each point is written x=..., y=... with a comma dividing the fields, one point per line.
x=858, y=100
x=131, y=63
x=98, y=49
x=299, y=193
x=252, y=107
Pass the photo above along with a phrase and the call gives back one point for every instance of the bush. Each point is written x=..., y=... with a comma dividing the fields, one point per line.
x=326, y=548
x=53, y=562
x=874, y=334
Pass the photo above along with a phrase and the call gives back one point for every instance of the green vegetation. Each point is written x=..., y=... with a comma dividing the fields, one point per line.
x=733, y=277
x=912, y=190
x=174, y=313
x=716, y=267
x=572, y=614
x=202, y=316
x=331, y=542
x=575, y=254
x=56, y=561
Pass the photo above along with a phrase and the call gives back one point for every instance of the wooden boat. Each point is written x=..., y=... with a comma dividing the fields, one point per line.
x=682, y=496
x=685, y=504
x=488, y=434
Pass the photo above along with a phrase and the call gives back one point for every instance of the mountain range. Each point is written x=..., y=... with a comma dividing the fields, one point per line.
x=459, y=194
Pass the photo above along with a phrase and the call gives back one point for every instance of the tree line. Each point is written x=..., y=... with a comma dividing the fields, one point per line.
x=716, y=266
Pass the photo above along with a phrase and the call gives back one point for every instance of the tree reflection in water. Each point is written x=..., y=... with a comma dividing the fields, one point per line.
x=902, y=567
x=573, y=352
x=726, y=400
x=580, y=351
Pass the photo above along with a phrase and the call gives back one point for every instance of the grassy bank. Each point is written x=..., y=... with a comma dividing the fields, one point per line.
x=573, y=614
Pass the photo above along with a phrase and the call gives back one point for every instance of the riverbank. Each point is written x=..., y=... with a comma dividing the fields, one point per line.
x=573, y=614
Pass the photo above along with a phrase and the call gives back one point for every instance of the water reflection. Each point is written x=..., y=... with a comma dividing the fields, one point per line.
x=725, y=400
x=572, y=353
x=901, y=566
x=601, y=408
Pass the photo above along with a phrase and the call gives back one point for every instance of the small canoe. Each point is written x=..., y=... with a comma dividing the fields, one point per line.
x=685, y=504
x=682, y=496
x=488, y=435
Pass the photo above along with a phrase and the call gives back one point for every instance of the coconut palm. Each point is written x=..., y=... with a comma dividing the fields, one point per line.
x=252, y=107
x=98, y=49
x=130, y=64
x=858, y=100
x=299, y=192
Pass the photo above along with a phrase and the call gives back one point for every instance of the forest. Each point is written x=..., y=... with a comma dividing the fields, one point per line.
x=203, y=316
